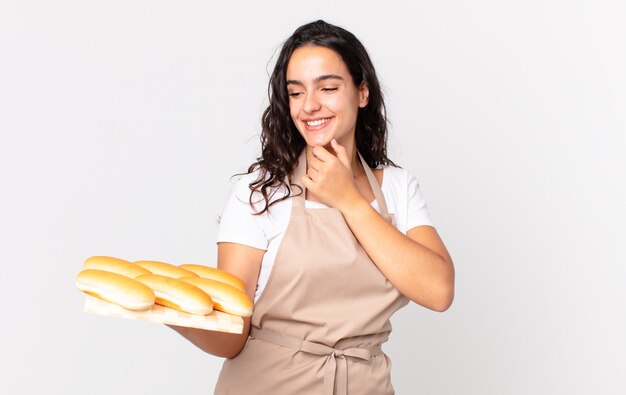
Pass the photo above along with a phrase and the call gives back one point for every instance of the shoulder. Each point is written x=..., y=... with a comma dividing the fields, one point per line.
x=391, y=170
x=242, y=181
x=401, y=188
x=242, y=189
x=394, y=178
x=400, y=183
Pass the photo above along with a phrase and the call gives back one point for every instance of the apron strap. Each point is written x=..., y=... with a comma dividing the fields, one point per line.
x=376, y=188
x=336, y=370
x=300, y=171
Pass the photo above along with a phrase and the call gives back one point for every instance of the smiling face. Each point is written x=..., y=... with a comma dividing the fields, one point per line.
x=323, y=100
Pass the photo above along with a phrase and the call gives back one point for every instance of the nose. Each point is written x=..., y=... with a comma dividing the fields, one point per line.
x=311, y=104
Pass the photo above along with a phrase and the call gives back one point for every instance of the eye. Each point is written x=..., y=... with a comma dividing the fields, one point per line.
x=294, y=94
x=329, y=89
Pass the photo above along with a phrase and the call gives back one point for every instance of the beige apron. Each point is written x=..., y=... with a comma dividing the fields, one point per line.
x=319, y=324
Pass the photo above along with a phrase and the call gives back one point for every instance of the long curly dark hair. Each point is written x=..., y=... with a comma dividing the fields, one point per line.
x=282, y=143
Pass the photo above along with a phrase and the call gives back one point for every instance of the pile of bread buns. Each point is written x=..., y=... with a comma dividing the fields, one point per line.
x=195, y=289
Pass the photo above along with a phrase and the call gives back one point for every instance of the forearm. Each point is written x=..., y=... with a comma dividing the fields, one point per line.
x=419, y=273
x=221, y=344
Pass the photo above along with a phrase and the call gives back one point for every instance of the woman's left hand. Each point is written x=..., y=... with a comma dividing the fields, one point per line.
x=330, y=177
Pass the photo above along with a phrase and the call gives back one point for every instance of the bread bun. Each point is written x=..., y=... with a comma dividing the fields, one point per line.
x=178, y=294
x=165, y=269
x=115, y=288
x=225, y=297
x=216, y=274
x=115, y=265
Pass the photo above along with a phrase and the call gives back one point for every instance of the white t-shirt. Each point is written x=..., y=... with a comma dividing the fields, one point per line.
x=265, y=231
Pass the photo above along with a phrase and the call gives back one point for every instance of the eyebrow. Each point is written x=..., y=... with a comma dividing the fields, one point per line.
x=317, y=80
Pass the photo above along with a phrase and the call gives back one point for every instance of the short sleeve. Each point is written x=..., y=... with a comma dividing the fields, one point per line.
x=417, y=211
x=238, y=224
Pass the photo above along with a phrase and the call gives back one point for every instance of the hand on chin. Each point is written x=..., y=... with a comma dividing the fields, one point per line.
x=321, y=142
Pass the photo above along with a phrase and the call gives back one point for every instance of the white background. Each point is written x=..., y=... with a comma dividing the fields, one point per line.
x=122, y=121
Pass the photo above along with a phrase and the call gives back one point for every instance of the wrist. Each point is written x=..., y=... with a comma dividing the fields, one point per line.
x=353, y=204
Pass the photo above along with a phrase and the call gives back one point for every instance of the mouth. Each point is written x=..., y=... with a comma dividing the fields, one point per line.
x=316, y=124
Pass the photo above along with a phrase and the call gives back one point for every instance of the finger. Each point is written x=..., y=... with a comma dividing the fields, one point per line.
x=341, y=152
x=322, y=153
x=312, y=173
x=315, y=163
x=307, y=182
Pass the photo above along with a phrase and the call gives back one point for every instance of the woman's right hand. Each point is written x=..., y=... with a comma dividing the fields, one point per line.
x=245, y=263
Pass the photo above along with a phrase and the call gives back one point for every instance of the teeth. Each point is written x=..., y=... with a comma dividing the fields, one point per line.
x=317, y=122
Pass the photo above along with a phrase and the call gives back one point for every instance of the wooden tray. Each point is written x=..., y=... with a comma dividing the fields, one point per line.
x=216, y=321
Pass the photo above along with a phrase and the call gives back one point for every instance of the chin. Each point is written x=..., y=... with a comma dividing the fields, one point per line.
x=313, y=142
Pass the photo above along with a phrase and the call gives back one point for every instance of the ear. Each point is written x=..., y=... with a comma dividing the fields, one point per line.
x=364, y=95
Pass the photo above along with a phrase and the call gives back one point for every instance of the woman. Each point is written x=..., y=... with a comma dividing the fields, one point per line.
x=314, y=236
